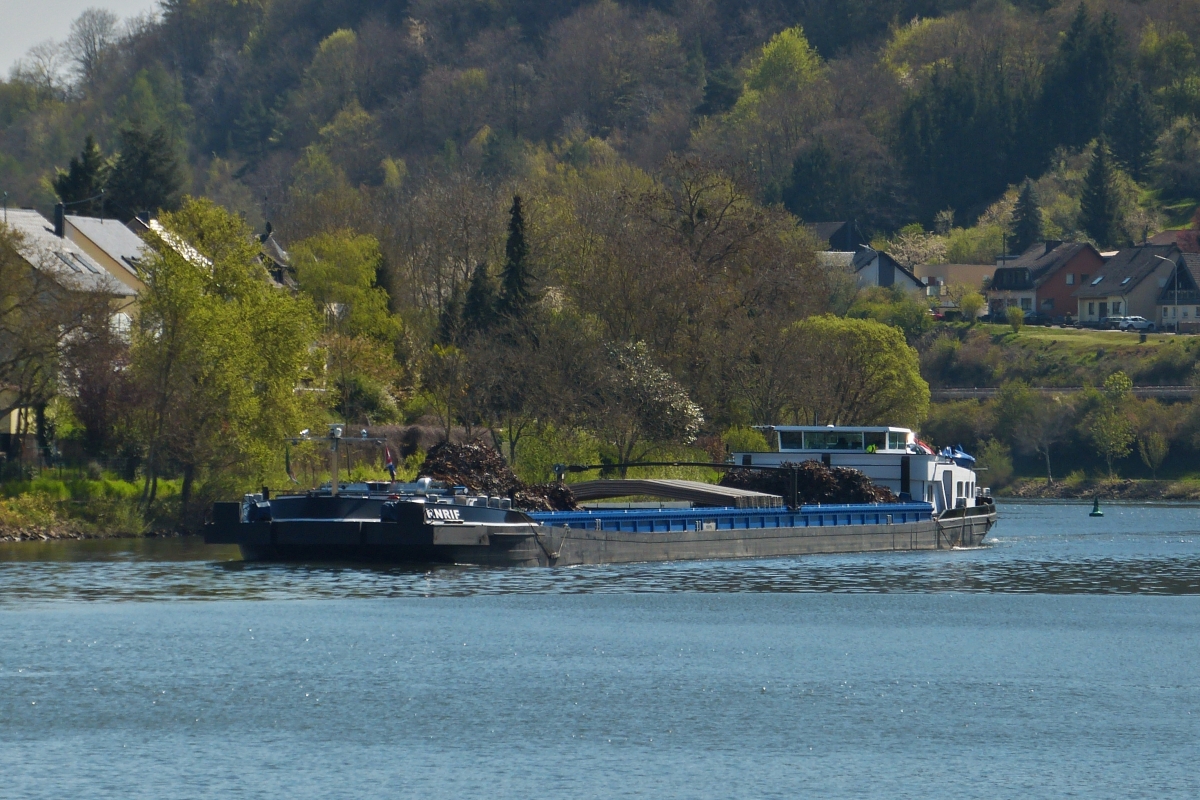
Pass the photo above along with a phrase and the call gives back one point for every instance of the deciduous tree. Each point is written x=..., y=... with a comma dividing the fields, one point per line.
x=856, y=372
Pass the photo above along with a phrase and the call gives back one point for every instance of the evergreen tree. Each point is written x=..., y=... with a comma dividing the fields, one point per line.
x=1081, y=81
x=1133, y=127
x=722, y=89
x=479, y=310
x=516, y=291
x=146, y=176
x=1027, y=219
x=450, y=322
x=84, y=179
x=1099, y=209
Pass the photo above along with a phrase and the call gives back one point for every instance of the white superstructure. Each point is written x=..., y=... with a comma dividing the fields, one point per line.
x=891, y=457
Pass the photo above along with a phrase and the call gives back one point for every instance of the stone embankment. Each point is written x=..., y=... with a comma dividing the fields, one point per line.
x=39, y=533
x=1029, y=488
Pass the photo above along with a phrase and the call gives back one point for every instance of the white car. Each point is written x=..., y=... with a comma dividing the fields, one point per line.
x=1136, y=324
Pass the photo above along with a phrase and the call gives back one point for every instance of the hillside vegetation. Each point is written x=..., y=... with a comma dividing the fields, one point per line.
x=577, y=227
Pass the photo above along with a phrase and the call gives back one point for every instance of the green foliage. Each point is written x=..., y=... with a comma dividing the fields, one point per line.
x=339, y=272
x=996, y=458
x=786, y=63
x=856, y=372
x=209, y=320
x=1177, y=158
x=741, y=439
x=1100, y=206
x=722, y=88
x=1027, y=219
x=1015, y=317
x=146, y=175
x=893, y=306
x=1081, y=81
x=1133, y=129
x=971, y=304
x=480, y=307
x=516, y=281
x=84, y=179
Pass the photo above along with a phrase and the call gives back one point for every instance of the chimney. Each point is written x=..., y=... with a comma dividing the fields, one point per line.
x=60, y=222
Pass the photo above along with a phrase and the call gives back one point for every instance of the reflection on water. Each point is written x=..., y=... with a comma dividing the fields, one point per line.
x=1049, y=548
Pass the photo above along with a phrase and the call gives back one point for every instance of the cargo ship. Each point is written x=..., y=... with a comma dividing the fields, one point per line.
x=940, y=506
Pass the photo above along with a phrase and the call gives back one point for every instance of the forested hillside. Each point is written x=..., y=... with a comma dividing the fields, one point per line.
x=612, y=192
x=887, y=112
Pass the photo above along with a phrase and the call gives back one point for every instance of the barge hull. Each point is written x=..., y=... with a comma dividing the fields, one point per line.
x=549, y=545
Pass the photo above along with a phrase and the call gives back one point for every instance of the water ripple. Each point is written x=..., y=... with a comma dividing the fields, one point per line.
x=1038, y=548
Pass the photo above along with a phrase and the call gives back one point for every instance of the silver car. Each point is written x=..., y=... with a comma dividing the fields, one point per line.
x=1136, y=324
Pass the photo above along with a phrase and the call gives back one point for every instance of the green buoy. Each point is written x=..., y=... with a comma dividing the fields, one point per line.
x=1096, y=512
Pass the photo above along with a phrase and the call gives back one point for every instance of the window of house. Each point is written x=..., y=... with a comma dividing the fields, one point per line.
x=1070, y=279
x=1083, y=276
x=1091, y=309
x=1172, y=313
x=1127, y=280
x=1098, y=279
x=1116, y=308
x=1026, y=304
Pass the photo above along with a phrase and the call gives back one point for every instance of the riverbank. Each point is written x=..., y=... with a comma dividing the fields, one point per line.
x=1127, y=489
x=72, y=532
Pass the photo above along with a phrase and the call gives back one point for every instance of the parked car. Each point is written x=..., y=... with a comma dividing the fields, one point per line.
x=1110, y=323
x=1136, y=324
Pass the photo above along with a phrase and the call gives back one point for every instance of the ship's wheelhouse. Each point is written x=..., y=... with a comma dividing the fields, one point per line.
x=889, y=456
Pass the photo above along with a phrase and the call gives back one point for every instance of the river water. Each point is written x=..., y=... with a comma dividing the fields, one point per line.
x=1060, y=660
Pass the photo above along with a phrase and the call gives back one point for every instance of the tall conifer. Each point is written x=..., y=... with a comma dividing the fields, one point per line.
x=516, y=291
x=147, y=175
x=84, y=178
x=1133, y=128
x=1027, y=219
x=1099, y=207
x=479, y=310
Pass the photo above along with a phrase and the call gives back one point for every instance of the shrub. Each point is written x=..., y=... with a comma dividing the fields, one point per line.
x=997, y=458
x=1016, y=318
x=740, y=439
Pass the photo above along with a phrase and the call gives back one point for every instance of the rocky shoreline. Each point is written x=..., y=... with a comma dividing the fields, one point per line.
x=69, y=533
x=1030, y=489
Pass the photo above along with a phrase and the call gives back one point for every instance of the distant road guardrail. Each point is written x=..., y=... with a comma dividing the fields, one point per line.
x=984, y=393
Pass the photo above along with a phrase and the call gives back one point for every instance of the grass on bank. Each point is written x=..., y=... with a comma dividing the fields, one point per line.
x=106, y=506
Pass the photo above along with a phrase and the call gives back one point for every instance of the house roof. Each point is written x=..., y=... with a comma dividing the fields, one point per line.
x=865, y=256
x=1186, y=291
x=121, y=244
x=1125, y=270
x=1036, y=265
x=1187, y=240
x=60, y=258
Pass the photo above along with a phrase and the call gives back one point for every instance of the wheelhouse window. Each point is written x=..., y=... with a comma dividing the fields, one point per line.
x=896, y=441
x=833, y=440
x=876, y=439
x=791, y=440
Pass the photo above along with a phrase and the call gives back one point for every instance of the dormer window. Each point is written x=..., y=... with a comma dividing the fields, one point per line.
x=1098, y=279
x=1127, y=280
